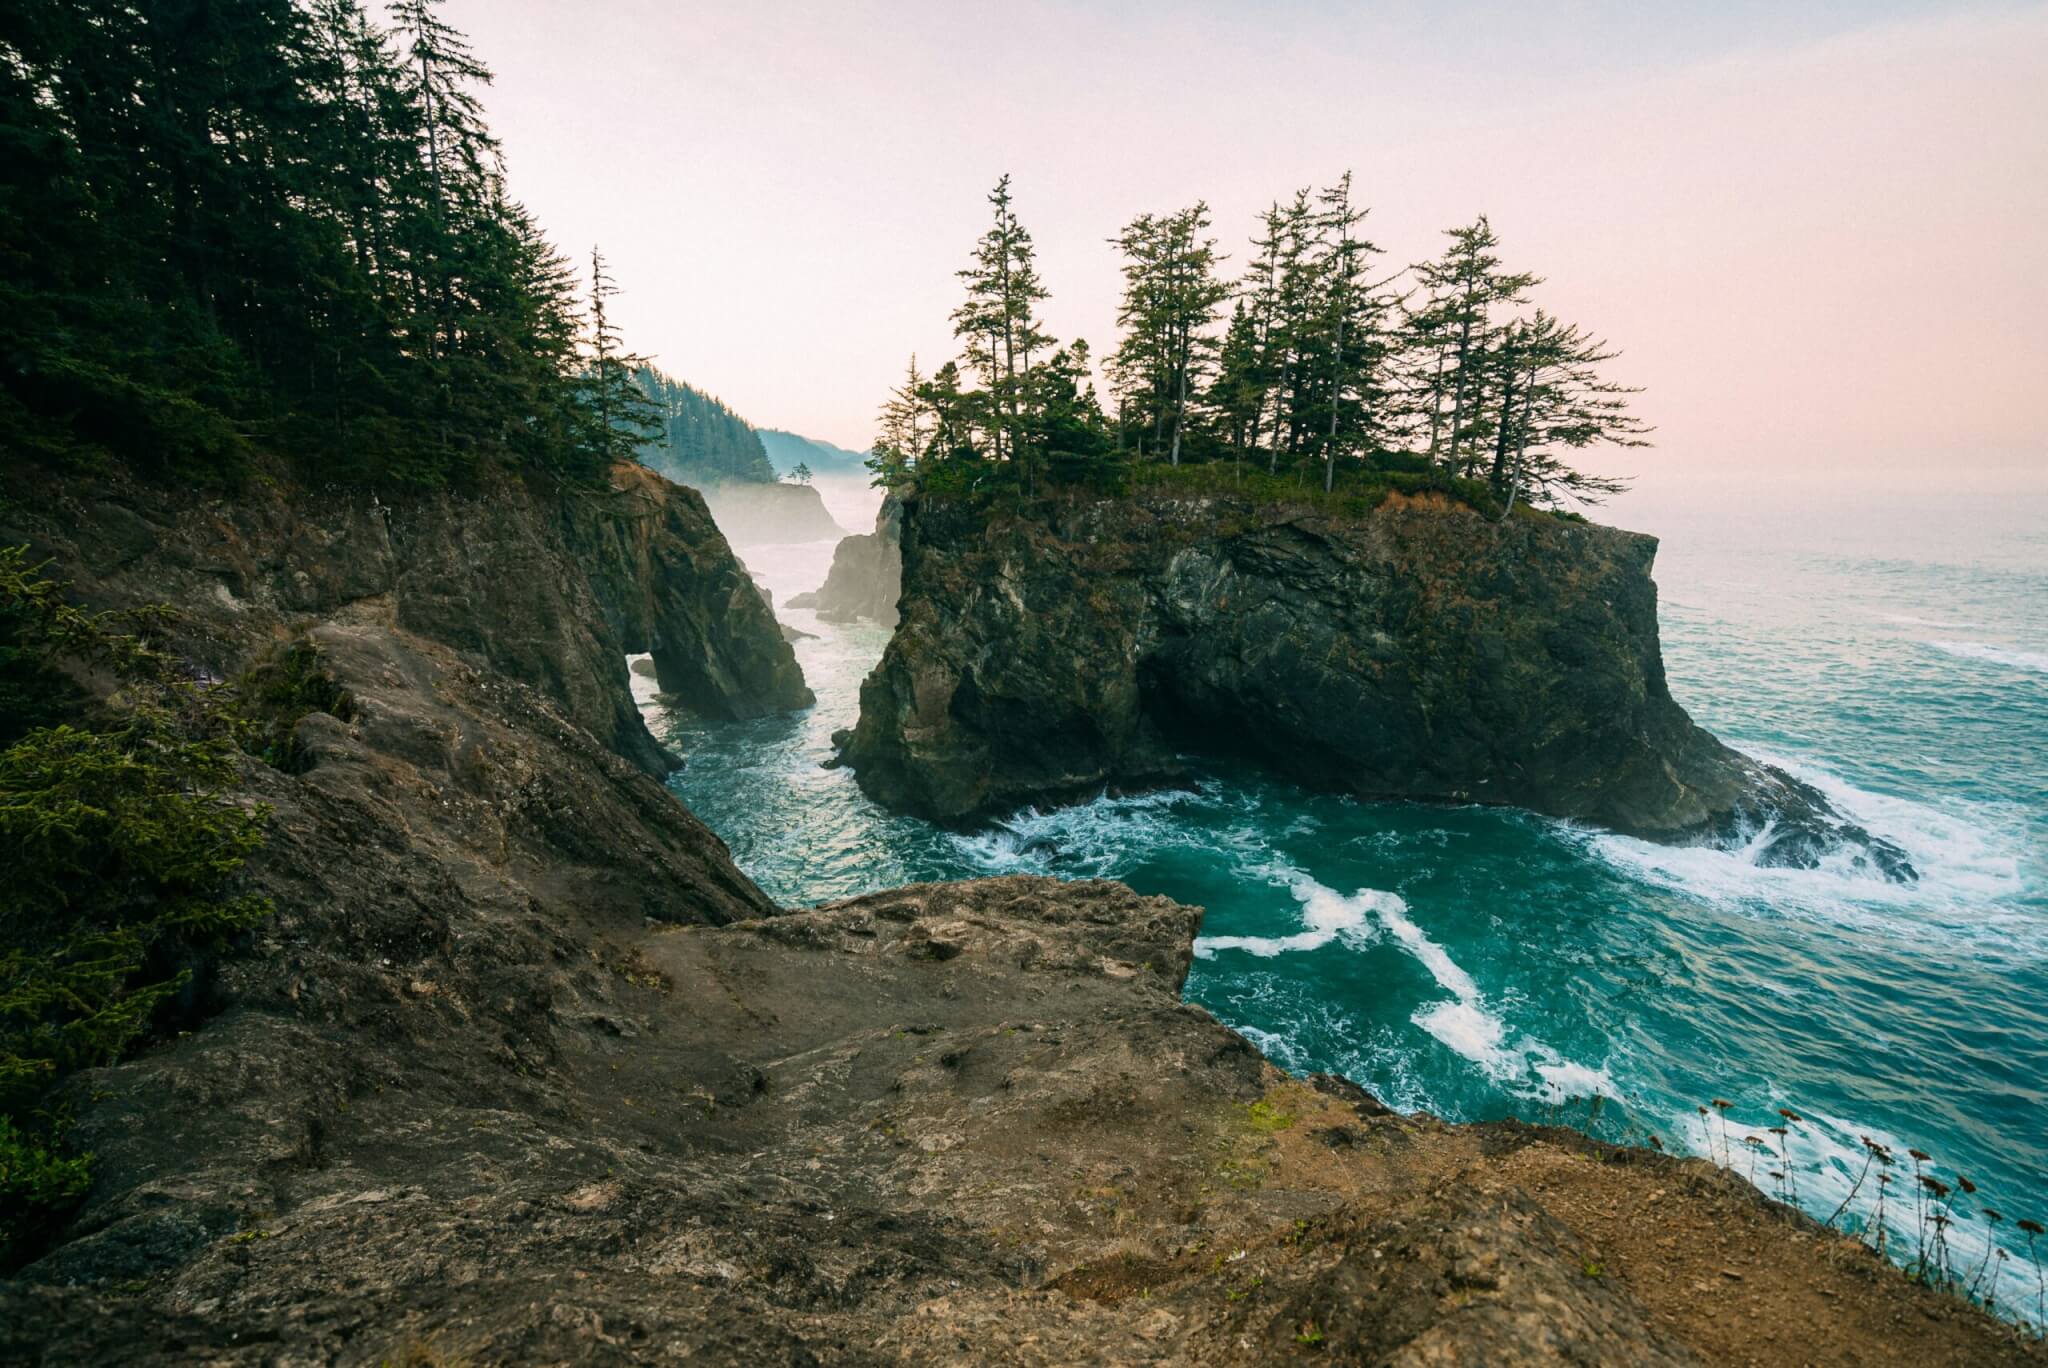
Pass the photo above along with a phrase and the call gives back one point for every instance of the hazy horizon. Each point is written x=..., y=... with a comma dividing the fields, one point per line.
x=1816, y=234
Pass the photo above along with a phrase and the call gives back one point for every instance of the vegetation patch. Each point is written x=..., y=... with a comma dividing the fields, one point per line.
x=121, y=842
x=271, y=700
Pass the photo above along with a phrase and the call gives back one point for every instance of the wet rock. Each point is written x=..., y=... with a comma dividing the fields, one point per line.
x=1416, y=651
x=866, y=577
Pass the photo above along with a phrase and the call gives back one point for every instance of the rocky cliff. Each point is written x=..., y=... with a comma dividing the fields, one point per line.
x=866, y=577
x=523, y=1070
x=1418, y=651
x=545, y=587
x=762, y=514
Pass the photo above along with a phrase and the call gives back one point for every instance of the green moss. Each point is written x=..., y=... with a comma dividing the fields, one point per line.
x=1266, y=1118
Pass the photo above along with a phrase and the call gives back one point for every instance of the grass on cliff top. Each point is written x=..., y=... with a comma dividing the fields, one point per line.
x=122, y=840
x=991, y=487
x=1357, y=492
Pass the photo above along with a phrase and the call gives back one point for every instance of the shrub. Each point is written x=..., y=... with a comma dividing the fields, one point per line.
x=121, y=845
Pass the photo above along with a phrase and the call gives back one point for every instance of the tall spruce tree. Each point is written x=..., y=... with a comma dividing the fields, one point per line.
x=269, y=230
x=1554, y=399
x=1451, y=338
x=998, y=323
x=619, y=418
x=1171, y=296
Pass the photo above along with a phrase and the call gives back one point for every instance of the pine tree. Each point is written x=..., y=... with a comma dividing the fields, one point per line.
x=999, y=325
x=1451, y=337
x=1170, y=300
x=1554, y=399
x=1352, y=317
x=900, y=443
x=618, y=416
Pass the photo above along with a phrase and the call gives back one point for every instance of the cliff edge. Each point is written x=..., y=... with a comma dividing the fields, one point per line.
x=523, y=1069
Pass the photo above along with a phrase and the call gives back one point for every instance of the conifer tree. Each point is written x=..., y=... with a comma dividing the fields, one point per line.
x=1451, y=337
x=1353, y=317
x=1553, y=400
x=999, y=325
x=619, y=417
x=900, y=443
x=1171, y=295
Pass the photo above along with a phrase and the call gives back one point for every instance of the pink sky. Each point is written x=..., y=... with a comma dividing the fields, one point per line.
x=1823, y=254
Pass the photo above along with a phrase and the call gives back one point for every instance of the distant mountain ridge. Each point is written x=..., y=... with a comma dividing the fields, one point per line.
x=788, y=449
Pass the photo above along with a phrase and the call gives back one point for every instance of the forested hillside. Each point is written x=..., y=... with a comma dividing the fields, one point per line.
x=702, y=441
x=788, y=450
x=280, y=228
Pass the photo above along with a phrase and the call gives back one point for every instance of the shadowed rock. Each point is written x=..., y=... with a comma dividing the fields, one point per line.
x=866, y=577
x=1414, y=651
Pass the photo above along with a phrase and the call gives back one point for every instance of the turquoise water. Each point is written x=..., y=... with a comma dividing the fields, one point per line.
x=1482, y=963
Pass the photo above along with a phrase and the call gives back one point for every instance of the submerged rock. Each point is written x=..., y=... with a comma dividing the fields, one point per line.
x=1416, y=651
x=866, y=577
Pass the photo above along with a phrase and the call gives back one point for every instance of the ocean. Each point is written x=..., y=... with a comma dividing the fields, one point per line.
x=1479, y=962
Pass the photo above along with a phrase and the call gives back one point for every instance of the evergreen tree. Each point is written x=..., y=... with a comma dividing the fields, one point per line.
x=1553, y=399
x=702, y=441
x=619, y=418
x=1351, y=318
x=1238, y=393
x=999, y=326
x=232, y=232
x=1171, y=296
x=1451, y=338
x=900, y=443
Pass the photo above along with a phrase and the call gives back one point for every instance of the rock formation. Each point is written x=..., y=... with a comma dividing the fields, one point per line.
x=524, y=1070
x=866, y=575
x=763, y=514
x=1418, y=651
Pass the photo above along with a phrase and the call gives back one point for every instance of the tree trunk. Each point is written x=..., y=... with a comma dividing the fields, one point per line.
x=1336, y=396
x=1500, y=444
x=1180, y=406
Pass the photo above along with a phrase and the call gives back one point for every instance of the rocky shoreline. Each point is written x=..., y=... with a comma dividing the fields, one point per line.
x=1416, y=651
x=866, y=577
x=526, y=1070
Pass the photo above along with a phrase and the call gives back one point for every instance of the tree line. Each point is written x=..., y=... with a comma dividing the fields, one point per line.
x=231, y=228
x=1327, y=365
x=702, y=440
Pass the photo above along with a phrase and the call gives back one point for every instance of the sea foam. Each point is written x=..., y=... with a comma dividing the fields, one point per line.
x=1463, y=1023
x=1968, y=858
x=2012, y=656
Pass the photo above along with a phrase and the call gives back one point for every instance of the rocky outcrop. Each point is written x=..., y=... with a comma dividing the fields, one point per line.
x=671, y=586
x=523, y=1070
x=1417, y=651
x=768, y=513
x=866, y=577
x=548, y=588
x=947, y=1123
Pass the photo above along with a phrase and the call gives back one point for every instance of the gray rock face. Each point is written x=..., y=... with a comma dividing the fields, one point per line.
x=866, y=577
x=549, y=589
x=1418, y=651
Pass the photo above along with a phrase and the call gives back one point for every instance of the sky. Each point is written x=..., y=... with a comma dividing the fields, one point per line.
x=1817, y=232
